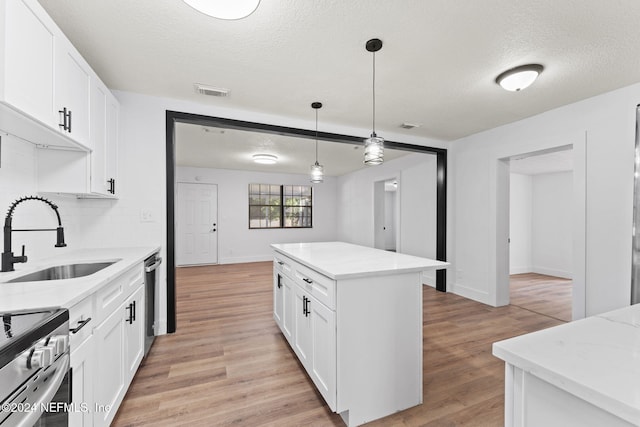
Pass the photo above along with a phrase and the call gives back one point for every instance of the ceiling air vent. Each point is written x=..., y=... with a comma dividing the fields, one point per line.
x=210, y=90
x=407, y=125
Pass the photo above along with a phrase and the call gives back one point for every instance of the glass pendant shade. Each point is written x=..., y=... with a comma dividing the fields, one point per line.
x=317, y=173
x=373, y=150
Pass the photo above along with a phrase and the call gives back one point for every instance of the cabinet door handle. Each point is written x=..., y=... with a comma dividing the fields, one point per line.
x=305, y=306
x=279, y=281
x=134, y=310
x=63, y=125
x=81, y=324
x=130, y=308
x=280, y=263
x=69, y=122
x=309, y=281
x=112, y=186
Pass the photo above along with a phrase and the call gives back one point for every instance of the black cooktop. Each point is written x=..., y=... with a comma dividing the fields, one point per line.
x=23, y=328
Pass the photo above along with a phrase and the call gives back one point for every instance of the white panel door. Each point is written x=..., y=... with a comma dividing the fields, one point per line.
x=196, y=224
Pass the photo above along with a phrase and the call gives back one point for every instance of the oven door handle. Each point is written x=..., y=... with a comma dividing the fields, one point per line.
x=54, y=384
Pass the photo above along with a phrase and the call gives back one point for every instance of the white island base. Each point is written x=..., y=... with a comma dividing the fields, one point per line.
x=582, y=374
x=353, y=316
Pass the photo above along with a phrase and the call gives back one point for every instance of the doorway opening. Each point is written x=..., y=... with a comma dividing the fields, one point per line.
x=540, y=244
x=386, y=213
x=540, y=233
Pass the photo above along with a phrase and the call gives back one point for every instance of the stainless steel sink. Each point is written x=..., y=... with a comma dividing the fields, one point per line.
x=59, y=272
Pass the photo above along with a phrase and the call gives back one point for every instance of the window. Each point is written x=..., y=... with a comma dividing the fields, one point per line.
x=280, y=206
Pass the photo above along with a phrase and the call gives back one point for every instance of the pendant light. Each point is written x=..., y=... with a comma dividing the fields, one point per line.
x=374, y=145
x=317, y=170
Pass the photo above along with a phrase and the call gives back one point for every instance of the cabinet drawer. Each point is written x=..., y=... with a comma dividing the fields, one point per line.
x=81, y=322
x=114, y=294
x=282, y=265
x=316, y=284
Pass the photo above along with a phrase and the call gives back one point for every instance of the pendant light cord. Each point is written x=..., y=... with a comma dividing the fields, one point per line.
x=316, y=136
x=373, y=126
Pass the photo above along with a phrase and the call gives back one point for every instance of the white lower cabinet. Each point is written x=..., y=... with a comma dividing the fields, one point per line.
x=120, y=347
x=107, y=332
x=81, y=322
x=109, y=377
x=82, y=368
x=315, y=343
x=134, y=333
x=359, y=338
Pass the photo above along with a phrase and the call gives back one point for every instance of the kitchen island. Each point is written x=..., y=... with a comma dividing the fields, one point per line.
x=353, y=316
x=584, y=373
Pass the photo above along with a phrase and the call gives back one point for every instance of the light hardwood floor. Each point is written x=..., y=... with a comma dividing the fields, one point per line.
x=228, y=364
x=547, y=295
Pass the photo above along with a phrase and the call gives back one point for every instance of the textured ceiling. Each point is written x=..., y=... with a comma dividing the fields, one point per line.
x=210, y=147
x=436, y=69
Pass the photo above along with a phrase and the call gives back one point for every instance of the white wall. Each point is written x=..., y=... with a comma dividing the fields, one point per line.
x=236, y=242
x=552, y=241
x=142, y=159
x=415, y=197
x=601, y=130
x=520, y=224
x=540, y=224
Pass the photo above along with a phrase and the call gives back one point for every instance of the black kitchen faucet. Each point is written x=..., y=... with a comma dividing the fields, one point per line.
x=8, y=258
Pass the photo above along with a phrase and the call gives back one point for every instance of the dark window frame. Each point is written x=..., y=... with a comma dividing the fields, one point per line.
x=282, y=207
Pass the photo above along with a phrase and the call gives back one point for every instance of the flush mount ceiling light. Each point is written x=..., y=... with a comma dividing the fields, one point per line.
x=317, y=170
x=265, y=159
x=225, y=9
x=374, y=145
x=519, y=78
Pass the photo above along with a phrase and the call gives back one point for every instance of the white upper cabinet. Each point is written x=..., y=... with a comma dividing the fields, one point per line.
x=45, y=84
x=29, y=51
x=72, y=92
x=104, y=140
x=51, y=97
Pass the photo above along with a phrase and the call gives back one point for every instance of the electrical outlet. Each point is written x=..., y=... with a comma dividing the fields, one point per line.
x=147, y=216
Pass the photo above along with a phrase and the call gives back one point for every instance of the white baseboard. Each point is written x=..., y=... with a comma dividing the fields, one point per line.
x=162, y=327
x=520, y=270
x=553, y=272
x=470, y=293
x=241, y=260
x=429, y=278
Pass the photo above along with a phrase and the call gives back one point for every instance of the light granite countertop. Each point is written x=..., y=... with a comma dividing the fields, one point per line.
x=339, y=260
x=596, y=359
x=66, y=293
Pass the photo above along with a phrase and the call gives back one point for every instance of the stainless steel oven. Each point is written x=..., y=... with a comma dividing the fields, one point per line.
x=34, y=369
x=151, y=281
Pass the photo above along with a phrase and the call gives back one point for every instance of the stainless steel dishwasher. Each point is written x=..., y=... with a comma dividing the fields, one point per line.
x=151, y=281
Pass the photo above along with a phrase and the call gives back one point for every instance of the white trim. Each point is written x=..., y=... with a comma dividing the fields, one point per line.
x=470, y=293
x=553, y=272
x=520, y=270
